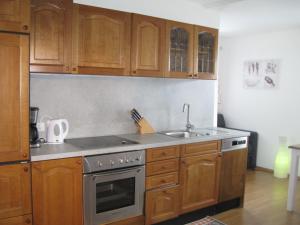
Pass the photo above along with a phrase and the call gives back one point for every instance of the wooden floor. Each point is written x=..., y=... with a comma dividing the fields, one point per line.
x=265, y=203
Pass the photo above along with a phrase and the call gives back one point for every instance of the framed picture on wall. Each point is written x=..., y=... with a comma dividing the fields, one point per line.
x=261, y=74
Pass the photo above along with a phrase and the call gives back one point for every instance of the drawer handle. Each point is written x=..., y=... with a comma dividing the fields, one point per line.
x=28, y=221
x=25, y=169
x=25, y=27
x=162, y=181
x=165, y=192
x=163, y=167
x=163, y=154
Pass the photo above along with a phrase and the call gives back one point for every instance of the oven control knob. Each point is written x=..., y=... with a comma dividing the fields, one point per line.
x=121, y=161
x=99, y=164
x=112, y=162
x=137, y=159
x=127, y=161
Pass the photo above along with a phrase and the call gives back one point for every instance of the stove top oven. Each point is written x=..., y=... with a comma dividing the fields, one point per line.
x=114, y=187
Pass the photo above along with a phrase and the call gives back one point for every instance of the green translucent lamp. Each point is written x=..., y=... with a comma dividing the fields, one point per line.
x=282, y=160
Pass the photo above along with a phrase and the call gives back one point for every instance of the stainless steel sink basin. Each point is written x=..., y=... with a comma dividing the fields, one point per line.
x=185, y=134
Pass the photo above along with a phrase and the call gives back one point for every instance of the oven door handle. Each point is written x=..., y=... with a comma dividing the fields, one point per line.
x=117, y=172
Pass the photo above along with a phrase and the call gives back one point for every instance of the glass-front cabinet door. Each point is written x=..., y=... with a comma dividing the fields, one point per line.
x=205, y=52
x=179, y=50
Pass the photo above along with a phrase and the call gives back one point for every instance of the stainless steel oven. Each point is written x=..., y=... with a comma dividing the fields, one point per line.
x=114, y=187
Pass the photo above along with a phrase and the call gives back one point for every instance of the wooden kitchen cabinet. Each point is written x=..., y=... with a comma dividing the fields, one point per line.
x=57, y=192
x=15, y=192
x=233, y=174
x=19, y=220
x=162, y=204
x=14, y=97
x=148, y=46
x=179, y=49
x=51, y=36
x=205, y=52
x=199, y=181
x=101, y=41
x=15, y=15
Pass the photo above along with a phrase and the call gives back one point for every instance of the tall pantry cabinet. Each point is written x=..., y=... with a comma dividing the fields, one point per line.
x=15, y=194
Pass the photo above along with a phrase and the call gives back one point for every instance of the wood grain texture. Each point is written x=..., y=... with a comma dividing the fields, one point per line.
x=159, y=167
x=148, y=46
x=199, y=181
x=162, y=204
x=15, y=15
x=51, y=36
x=139, y=220
x=233, y=173
x=19, y=220
x=209, y=147
x=214, y=33
x=15, y=186
x=161, y=180
x=190, y=58
x=162, y=153
x=265, y=202
x=14, y=97
x=57, y=192
x=101, y=41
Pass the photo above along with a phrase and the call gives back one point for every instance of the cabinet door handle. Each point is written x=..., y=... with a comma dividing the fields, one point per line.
x=25, y=169
x=163, y=181
x=24, y=155
x=28, y=221
x=134, y=71
x=190, y=75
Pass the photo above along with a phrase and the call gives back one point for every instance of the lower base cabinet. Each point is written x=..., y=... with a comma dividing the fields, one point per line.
x=162, y=204
x=57, y=192
x=20, y=220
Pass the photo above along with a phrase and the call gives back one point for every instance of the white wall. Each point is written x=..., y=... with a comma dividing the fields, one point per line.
x=269, y=112
x=99, y=105
x=179, y=10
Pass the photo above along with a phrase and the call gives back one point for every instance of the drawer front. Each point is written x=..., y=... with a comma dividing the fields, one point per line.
x=165, y=166
x=161, y=180
x=157, y=154
x=210, y=147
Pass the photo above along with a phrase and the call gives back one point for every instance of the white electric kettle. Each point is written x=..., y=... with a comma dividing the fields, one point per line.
x=57, y=130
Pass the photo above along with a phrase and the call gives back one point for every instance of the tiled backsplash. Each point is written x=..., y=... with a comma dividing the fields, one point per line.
x=100, y=105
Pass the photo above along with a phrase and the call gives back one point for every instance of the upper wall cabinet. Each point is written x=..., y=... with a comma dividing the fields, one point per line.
x=179, y=41
x=101, y=41
x=51, y=42
x=14, y=15
x=205, y=52
x=14, y=97
x=148, y=46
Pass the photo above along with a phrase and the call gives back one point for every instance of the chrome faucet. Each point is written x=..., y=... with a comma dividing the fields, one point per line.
x=189, y=126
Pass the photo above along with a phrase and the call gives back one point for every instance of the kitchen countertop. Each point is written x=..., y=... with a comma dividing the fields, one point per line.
x=59, y=151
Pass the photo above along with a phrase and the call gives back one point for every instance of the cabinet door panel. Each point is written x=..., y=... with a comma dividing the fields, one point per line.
x=19, y=220
x=14, y=15
x=179, y=39
x=162, y=204
x=57, y=192
x=51, y=36
x=102, y=41
x=205, y=52
x=233, y=173
x=199, y=180
x=148, y=46
x=14, y=97
x=15, y=190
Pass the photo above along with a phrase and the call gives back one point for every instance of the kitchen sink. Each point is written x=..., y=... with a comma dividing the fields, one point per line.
x=186, y=134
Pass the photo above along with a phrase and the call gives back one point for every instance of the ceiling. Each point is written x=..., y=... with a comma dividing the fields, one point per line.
x=216, y=4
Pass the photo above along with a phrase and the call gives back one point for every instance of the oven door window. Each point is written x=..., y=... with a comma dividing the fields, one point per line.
x=115, y=194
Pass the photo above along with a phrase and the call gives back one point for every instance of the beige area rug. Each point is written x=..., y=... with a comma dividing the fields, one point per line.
x=207, y=221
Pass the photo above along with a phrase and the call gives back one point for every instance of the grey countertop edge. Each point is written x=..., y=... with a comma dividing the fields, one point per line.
x=48, y=152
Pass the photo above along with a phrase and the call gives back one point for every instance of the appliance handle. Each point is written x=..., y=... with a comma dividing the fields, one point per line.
x=138, y=169
x=67, y=128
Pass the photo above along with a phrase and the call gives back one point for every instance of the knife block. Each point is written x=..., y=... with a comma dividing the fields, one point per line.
x=145, y=127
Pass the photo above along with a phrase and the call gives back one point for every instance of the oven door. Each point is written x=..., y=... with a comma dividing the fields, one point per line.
x=113, y=195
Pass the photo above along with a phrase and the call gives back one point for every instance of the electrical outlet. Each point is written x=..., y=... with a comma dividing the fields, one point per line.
x=41, y=127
